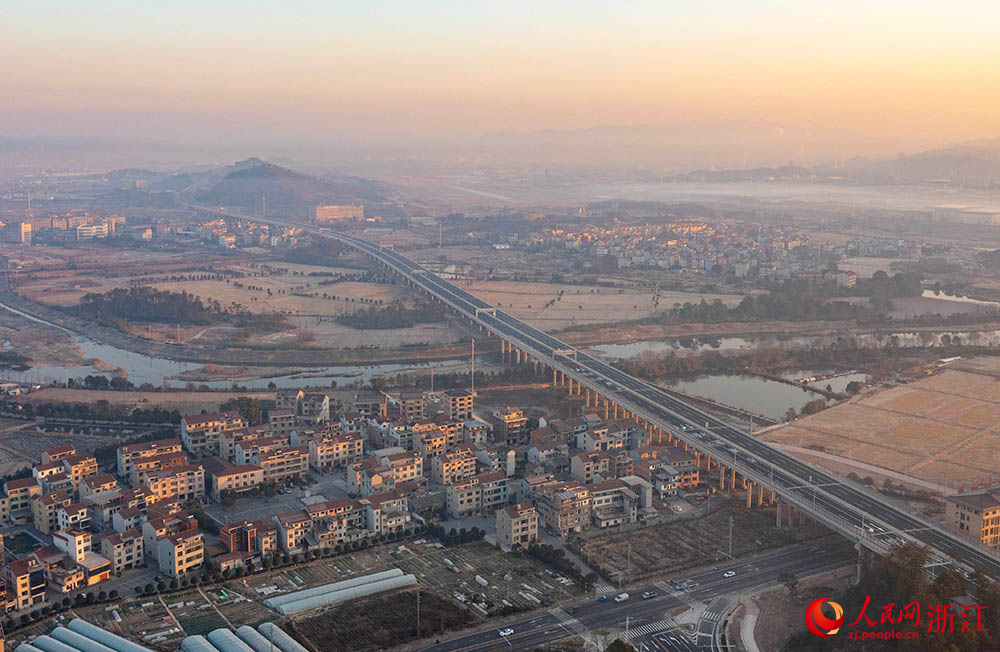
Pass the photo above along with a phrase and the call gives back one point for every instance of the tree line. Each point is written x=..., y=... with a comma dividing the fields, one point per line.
x=147, y=304
x=393, y=316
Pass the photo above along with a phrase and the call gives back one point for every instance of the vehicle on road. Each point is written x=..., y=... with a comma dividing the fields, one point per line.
x=676, y=508
x=621, y=597
x=507, y=631
x=729, y=574
x=648, y=594
x=602, y=598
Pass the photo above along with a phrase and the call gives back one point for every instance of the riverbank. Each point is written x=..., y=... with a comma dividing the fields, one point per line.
x=628, y=335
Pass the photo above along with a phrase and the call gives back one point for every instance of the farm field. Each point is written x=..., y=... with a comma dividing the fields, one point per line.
x=940, y=429
x=541, y=304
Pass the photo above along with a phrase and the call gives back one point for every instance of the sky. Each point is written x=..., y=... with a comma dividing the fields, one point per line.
x=920, y=72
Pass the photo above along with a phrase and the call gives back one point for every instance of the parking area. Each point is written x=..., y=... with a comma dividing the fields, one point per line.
x=485, y=578
x=257, y=508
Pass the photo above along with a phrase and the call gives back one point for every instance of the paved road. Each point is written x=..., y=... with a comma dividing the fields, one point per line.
x=555, y=624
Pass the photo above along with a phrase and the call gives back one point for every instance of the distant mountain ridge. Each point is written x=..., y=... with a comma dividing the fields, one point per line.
x=252, y=182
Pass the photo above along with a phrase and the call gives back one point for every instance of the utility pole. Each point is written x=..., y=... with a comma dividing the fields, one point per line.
x=418, y=614
x=473, y=364
x=628, y=564
x=730, y=537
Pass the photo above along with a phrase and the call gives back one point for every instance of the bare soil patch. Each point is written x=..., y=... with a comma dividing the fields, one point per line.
x=941, y=428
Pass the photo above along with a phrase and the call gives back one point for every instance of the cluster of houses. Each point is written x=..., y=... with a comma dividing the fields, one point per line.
x=399, y=466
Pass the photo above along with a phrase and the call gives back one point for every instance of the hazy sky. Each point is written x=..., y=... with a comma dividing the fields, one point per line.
x=930, y=70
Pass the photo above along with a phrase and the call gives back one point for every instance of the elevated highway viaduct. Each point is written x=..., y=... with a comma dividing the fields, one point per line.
x=851, y=509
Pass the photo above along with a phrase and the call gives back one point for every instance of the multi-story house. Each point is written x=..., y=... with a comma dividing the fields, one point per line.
x=411, y=406
x=976, y=516
x=45, y=508
x=123, y=550
x=231, y=438
x=247, y=449
x=185, y=483
x=281, y=422
x=460, y=403
x=371, y=404
x=289, y=399
x=180, y=553
x=563, y=507
x=386, y=513
x=72, y=516
x=476, y=432
x=546, y=451
x=254, y=537
x=315, y=408
x=283, y=464
x=62, y=573
x=330, y=451
x=77, y=544
x=96, y=484
x=517, y=526
x=201, y=434
x=495, y=487
x=223, y=476
x=406, y=466
x=612, y=503
x=498, y=457
x=143, y=466
x=292, y=528
x=57, y=453
x=464, y=498
x=156, y=528
x=510, y=427
x=130, y=452
x=79, y=466
x=25, y=579
x=19, y=494
x=431, y=442
x=456, y=465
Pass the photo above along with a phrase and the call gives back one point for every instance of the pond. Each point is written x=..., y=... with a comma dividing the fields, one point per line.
x=752, y=393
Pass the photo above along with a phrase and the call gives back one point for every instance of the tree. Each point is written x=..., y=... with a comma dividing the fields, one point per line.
x=619, y=646
x=150, y=588
x=790, y=414
x=853, y=387
x=789, y=580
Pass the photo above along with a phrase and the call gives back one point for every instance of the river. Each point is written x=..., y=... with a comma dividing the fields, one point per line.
x=161, y=372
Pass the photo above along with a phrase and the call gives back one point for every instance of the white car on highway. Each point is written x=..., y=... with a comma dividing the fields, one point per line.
x=729, y=574
x=504, y=633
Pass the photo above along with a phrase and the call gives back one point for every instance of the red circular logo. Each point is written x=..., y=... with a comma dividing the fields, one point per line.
x=819, y=624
